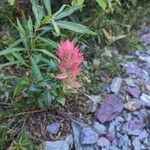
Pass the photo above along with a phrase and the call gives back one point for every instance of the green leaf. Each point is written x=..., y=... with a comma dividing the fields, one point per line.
x=49, y=42
x=21, y=84
x=47, y=4
x=74, y=27
x=47, y=98
x=17, y=42
x=46, y=52
x=59, y=11
x=22, y=34
x=56, y=27
x=9, y=64
x=30, y=26
x=67, y=12
x=77, y=2
x=10, y=50
x=96, y=63
x=9, y=57
x=18, y=57
x=102, y=4
x=36, y=71
x=38, y=12
x=11, y=2
x=61, y=100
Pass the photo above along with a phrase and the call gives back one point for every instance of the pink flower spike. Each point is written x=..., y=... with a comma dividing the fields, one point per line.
x=70, y=60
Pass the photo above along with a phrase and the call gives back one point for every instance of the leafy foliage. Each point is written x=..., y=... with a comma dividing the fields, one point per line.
x=28, y=62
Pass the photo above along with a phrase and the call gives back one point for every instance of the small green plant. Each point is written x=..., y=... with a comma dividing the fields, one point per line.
x=34, y=52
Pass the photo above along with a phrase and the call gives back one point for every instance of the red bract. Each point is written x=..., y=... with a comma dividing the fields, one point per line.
x=70, y=59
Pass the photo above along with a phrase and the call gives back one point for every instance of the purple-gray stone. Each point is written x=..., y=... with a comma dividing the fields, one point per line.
x=134, y=127
x=53, y=128
x=132, y=68
x=145, y=38
x=102, y=141
x=111, y=107
x=110, y=137
x=137, y=124
x=143, y=135
x=134, y=91
x=89, y=136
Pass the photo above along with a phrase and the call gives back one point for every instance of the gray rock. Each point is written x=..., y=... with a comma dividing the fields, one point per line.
x=128, y=116
x=145, y=98
x=129, y=82
x=102, y=141
x=145, y=38
x=69, y=140
x=112, y=129
x=76, y=137
x=144, y=75
x=110, y=137
x=100, y=127
x=95, y=98
x=53, y=128
x=148, y=51
x=88, y=136
x=137, y=53
x=147, y=142
x=114, y=147
x=136, y=144
x=147, y=86
x=111, y=107
x=56, y=145
x=145, y=58
x=143, y=135
x=125, y=147
x=123, y=141
x=134, y=127
x=132, y=68
x=134, y=91
x=115, y=85
x=119, y=119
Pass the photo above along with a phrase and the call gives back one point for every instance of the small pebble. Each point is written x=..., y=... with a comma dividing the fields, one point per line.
x=89, y=136
x=53, y=128
x=136, y=144
x=100, y=127
x=134, y=91
x=102, y=141
x=145, y=98
x=115, y=85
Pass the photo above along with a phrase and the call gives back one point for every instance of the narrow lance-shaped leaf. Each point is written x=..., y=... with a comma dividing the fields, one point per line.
x=67, y=12
x=30, y=26
x=56, y=27
x=38, y=13
x=102, y=3
x=74, y=27
x=22, y=34
x=49, y=42
x=44, y=51
x=77, y=2
x=59, y=11
x=9, y=64
x=10, y=50
x=36, y=71
x=47, y=4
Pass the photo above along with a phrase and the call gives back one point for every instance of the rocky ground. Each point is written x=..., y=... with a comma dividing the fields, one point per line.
x=122, y=120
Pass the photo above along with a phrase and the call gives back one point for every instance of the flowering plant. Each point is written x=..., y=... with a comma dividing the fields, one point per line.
x=70, y=60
